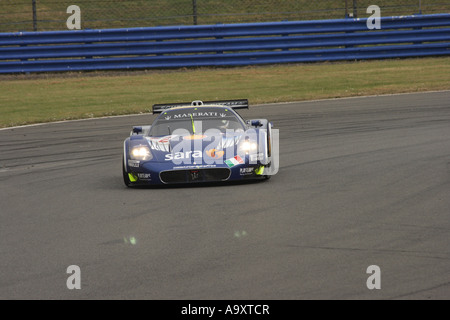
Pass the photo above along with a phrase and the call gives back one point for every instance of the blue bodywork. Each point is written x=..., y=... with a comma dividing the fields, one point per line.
x=196, y=157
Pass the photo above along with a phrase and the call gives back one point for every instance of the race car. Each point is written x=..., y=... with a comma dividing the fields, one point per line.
x=198, y=142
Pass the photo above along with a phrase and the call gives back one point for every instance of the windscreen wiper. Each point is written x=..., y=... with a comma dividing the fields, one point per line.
x=193, y=126
x=170, y=133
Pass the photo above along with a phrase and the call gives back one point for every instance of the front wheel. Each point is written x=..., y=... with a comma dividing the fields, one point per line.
x=126, y=179
x=267, y=176
x=269, y=150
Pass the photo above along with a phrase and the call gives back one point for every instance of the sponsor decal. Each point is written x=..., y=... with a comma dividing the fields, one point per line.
x=234, y=161
x=133, y=163
x=198, y=114
x=194, y=137
x=164, y=140
x=160, y=144
x=183, y=155
x=246, y=171
x=216, y=154
x=196, y=167
x=144, y=176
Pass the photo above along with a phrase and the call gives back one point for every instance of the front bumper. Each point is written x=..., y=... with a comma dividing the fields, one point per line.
x=154, y=173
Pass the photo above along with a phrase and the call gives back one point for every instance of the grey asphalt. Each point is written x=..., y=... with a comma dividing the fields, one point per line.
x=363, y=181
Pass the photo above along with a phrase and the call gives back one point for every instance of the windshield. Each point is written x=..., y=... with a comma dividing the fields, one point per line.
x=196, y=120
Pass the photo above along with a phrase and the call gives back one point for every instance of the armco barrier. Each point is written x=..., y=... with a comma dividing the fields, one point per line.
x=224, y=45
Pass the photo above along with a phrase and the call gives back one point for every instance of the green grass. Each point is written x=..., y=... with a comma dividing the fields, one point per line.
x=16, y=15
x=52, y=97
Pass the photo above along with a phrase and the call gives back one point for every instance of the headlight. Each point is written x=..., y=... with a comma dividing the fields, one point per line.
x=248, y=146
x=141, y=153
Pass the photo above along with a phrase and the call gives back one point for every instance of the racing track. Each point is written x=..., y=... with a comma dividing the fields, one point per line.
x=363, y=181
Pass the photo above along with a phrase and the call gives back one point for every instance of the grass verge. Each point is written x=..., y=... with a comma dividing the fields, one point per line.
x=52, y=97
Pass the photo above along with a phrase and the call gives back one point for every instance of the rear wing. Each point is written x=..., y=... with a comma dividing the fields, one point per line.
x=233, y=104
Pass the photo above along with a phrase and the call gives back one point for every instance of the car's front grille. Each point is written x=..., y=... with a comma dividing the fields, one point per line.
x=195, y=175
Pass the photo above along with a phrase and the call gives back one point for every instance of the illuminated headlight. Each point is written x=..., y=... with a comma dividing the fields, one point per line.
x=248, y=146
x=140, y=153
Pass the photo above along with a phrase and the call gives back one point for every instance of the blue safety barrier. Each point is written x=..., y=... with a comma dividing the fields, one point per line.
x=224, y=45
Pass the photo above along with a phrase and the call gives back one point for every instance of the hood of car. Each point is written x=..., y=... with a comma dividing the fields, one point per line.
x=196, y=148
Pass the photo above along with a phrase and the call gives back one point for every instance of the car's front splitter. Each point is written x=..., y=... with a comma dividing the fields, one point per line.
x=157, y=173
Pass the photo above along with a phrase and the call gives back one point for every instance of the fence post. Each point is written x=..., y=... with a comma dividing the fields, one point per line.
x=194, y=11
x=355, y=9
x=420, y=6
x=34, y=15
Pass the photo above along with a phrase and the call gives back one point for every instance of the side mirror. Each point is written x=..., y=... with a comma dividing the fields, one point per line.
x=255, y=123
x=137, y=130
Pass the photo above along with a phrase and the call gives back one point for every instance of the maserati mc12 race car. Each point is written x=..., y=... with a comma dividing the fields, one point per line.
x=199, y=142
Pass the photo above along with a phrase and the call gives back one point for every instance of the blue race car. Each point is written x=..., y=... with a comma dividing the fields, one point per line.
x=198, y=142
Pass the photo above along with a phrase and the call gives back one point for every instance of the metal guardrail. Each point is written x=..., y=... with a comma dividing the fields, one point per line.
x=224, y=45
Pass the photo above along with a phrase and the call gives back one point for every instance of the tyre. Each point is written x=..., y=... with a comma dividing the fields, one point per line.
x=269, y=149
x=126, y=179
